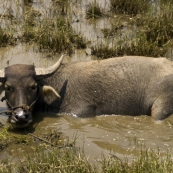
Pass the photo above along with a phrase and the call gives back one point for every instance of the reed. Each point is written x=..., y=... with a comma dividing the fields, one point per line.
x=129, y=6
x=93, y=11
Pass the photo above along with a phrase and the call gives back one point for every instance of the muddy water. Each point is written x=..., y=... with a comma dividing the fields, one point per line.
x=122, y=135
x=29, y=54
x=92, y=29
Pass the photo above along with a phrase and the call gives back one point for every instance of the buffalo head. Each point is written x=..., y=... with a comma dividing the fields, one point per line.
x=21, y=85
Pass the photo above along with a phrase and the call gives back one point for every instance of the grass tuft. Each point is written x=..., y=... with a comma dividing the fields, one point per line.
x=158, y=27
x=6, y=37
x=129, y=6
x=148, y=161
x=93, y=11
x=56, y=35
x=151, y=35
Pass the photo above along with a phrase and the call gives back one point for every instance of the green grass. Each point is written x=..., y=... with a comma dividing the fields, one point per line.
x=157, y=26
x=148, y=162
x=54, y=34
x=139, y=45
x=50, y=160
x=151, y=36
x=93, y=11
x=51, y=152
x=6, y=37
x=129, y=6
x=70, y=159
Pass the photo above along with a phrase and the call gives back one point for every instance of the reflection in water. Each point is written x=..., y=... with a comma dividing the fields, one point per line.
x=28, y=54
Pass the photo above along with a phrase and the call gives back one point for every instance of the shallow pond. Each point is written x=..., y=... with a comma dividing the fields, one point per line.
x=122, y=135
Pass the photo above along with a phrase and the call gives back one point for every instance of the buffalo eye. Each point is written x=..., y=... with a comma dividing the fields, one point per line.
x=8, y=88
x=33, y=87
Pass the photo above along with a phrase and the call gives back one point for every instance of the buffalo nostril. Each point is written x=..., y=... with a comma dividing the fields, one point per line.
x=17, y=118
x=21, y=116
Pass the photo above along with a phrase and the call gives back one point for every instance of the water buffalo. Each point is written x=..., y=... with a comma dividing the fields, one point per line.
x=130, y=85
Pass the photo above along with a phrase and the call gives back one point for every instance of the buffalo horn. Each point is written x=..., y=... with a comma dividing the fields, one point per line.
x=46, y=72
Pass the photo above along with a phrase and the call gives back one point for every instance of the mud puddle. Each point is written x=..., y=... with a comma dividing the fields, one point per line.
x=121, y=135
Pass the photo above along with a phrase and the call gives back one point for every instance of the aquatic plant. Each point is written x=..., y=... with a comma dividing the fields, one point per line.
x=56, y=35
x=93, y=11
x=6, y=37
x=110, y=32
x=157, y=26
x=129, y=6
x=139, y=45
x=151, y=36
x=52, y=31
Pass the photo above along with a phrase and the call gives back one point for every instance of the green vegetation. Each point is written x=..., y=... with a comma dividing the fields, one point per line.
x=45, y=156
x=53, y=152
x=7, y=138
x=110, y=32
x=56, y=35
x=139, y=45
x=129, y=6
x=4, y=138
x=53, y=160
x=93, y=11
x=148, y=161
x=6, y=37
x=158, y=27
x=151, y=33
x=51, y=32
x=151, y=36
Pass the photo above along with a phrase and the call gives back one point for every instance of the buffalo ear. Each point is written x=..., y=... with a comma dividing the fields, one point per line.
x=49, y=91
